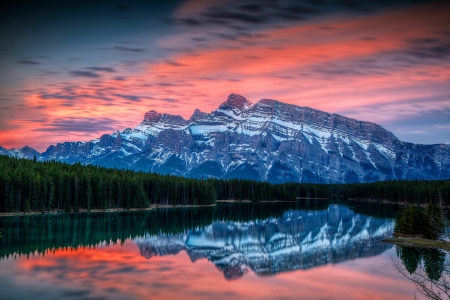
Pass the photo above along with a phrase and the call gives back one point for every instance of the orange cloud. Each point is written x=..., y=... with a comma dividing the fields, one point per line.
x=336, y=64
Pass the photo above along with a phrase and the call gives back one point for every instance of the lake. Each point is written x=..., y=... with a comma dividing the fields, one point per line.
x=250, y=251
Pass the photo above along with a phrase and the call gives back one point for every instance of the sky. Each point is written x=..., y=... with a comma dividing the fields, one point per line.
x=74, y=70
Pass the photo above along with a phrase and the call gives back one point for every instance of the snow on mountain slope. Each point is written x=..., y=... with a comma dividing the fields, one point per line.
x=25, y=152
x=268, y=140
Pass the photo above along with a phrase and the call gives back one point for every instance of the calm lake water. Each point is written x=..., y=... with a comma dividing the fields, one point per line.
x=231, y=251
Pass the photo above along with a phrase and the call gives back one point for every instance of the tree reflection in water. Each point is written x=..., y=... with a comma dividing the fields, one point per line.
x=427, y=269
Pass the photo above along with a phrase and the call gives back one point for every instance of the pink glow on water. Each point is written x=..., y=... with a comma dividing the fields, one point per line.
x=121, y=272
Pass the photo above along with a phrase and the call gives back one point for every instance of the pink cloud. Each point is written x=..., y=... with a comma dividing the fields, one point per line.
x=336, y=65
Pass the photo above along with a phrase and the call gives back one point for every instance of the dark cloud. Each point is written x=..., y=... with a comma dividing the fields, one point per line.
x=368, y=38
x=70, y=95
x=222, y=15
x=199, y=39
x=128, y=97
x=433, y=50
x=59, y=96
x=166, y=84
x=122, y=48
x=190, y=22
x=76, y=294
x=226, y=36
x=429, y=48
x=284, y=77
x=252, y=8
x=79, y=125
x=175, y=63
x=252, y=15
x=127, y=269
x=170, y=100
x=28, y=62
x=84, y=74
x=343, y=68
x=101, y=69
x=45, y=72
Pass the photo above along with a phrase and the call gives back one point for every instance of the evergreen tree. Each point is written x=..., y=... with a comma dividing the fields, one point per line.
x=434, y=222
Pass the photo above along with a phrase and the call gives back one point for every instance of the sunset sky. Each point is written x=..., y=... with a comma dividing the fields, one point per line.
x=74, y=70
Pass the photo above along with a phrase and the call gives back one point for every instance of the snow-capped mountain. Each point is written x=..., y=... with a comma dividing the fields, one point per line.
x=25, y=152
x=297, y=240
x=268, y=140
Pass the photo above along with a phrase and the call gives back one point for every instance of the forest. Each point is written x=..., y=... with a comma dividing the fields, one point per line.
x=28, y=185
x=42, y=186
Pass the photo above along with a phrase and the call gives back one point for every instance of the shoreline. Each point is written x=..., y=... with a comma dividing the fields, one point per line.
x=108, y=210
x=153, y=206
x=381, y=201
x=418, y=242
x=267, y=201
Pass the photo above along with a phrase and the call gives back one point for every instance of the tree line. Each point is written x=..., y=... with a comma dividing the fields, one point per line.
x=28, y=185
x=42, y=186
x=395, y=191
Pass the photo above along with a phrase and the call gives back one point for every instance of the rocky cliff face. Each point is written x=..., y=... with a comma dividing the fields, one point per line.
x=297, y=240
x=268, y=140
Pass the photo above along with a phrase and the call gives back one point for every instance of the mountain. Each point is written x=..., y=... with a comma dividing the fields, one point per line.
x=25, y=152
x=297, y=240
x=268, y=141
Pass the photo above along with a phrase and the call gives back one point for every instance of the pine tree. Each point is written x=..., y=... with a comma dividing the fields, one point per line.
x=89, y=196
x=76, y=192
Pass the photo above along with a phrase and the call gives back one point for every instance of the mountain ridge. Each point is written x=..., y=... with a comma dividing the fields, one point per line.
x=268, y=140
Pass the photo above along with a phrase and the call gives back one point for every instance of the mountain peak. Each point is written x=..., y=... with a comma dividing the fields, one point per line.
x=237, y=101
x=152, y=116
x=198, y=115
x=173, y=119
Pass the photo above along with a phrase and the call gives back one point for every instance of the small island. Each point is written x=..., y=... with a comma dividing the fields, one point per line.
x=415, y=227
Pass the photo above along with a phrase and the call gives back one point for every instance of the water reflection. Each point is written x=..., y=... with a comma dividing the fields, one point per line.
x=241, y=241
x=432, y=259
x=296, y=240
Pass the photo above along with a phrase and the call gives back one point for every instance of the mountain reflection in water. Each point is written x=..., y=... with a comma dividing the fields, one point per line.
x=298, y=239
x=105, y=255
